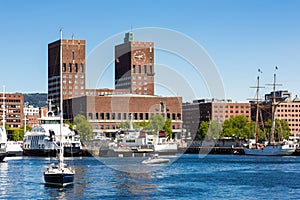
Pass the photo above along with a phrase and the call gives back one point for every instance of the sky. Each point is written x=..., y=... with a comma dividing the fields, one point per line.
x=239, y=37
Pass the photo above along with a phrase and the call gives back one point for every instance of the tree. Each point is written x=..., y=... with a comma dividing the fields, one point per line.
x=238, y=126
x=123, y=125
x=282, y=130
x=214, y=130
x=83, y=127
x=202, y=130
x=157, y=122
x=168, y=128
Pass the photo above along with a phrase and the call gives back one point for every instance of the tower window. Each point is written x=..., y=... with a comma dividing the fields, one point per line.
x=76, y=67
x=145, y=69
x=82, y=67
x=73, y=55
x=70, y=67
x=140, y=70
x=134, y=69
x=64, y=67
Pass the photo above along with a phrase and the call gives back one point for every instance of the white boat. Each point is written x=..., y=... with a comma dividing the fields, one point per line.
x=155, y=159
x=3, y=134
x=272, y=148
x=44, y=139
x=14, y=148
x=60, y=174
x=282, y=149
x=3, y=140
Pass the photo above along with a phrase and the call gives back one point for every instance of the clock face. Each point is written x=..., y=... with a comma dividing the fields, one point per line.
x=139, y=57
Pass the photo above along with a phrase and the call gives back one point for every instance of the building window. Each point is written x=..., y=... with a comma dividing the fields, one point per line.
x=82, y=67
x=145, y=69
x=70, y=67
x=146, y=116
x=119, y=116
x=107, y=126
x=76, y=67
x=133, y=69
x=150, y=69
x=140, y=70
x=102, y=116
x=73, y=55
x=64, y=67
x=124, y=116
x=113, y=116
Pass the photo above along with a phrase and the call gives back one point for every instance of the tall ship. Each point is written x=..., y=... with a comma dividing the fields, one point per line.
x=45, y=138
x=271, y=148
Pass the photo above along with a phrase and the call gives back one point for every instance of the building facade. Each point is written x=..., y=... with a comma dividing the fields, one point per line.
x=105, y=112
x=14, y=104
x=73, y=69
x=31, y=115
x=134, y=66
x=211, y=109
x=286, y=108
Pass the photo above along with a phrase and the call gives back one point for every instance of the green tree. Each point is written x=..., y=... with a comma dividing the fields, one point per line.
x=83, y=127
x=202, y=130
x=168, y=127
x=123, y=125
x=141, y=125
x=157, y=123
x=214, y=130
x=238, y=126
x=282, y=130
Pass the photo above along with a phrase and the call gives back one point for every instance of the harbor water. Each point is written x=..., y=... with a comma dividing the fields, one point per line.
x=188, y=176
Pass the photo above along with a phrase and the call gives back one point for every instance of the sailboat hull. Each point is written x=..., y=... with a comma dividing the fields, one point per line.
x=2, y=156
x=59, y=179
x=276, y=150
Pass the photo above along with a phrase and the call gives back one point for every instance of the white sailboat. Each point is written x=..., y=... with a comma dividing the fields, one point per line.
x=284, y=148
x=3, y=135
x=60, y=174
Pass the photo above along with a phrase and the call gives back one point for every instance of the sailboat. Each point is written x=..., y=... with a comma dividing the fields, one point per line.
x=60, y=174
x=272, y=148
x=3, y=135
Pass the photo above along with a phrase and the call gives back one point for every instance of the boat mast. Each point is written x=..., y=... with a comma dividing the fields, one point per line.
x=61, y=152
x=257, y=108
x=3, y=114
x=272, y=137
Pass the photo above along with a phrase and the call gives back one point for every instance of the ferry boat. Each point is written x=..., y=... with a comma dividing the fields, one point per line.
x=14, y=148
x=3, y=141
x=44, y=139
x=3, y=135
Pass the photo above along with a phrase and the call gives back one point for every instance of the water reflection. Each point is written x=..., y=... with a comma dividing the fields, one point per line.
x=129, y=184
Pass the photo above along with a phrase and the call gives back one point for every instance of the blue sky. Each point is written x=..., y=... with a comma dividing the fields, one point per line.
x=239, y=36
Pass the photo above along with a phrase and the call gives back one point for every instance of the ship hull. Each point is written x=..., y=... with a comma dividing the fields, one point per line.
x=68, y=151
x=269, y=151
x=59, y=179
x=2, y=156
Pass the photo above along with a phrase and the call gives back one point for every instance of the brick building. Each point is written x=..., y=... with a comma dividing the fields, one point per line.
x=285, y=108
x=105, y=112
x=104, y=108
x=14, y=104
x=215, y=110
x=134, y=66
x=73, y=69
